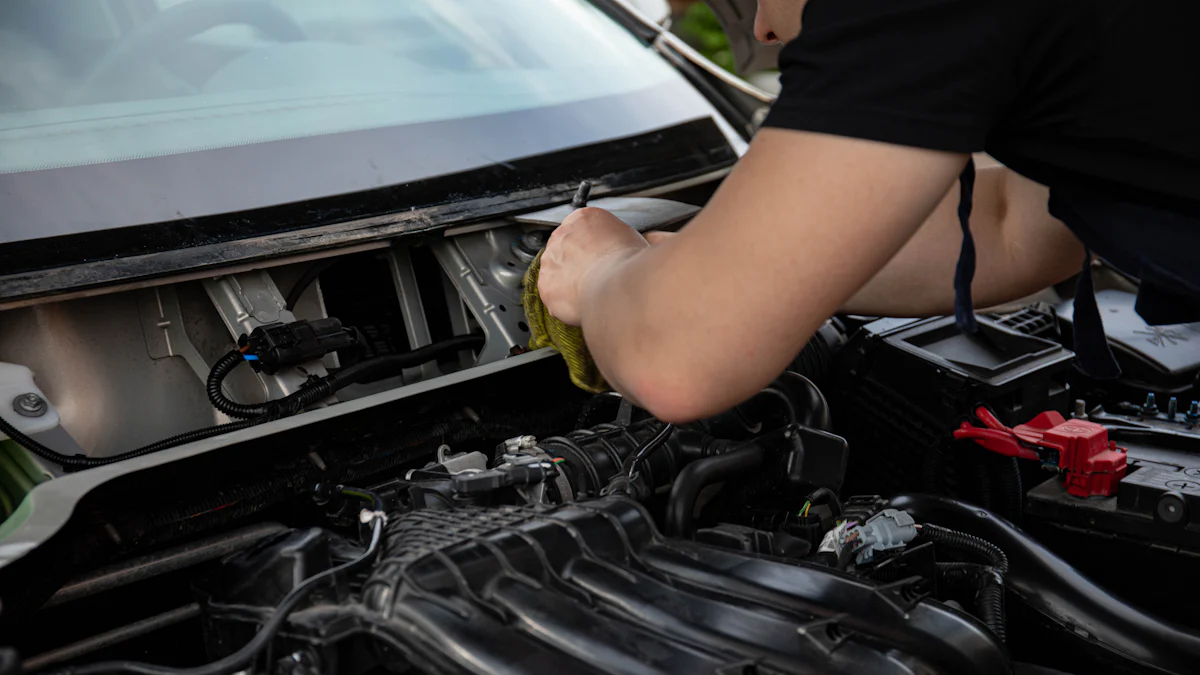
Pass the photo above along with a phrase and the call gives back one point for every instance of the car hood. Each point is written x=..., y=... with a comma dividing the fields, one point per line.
x=737, y=17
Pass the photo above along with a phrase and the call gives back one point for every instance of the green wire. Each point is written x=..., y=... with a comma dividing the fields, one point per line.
x=803, y=508
x=360, y=495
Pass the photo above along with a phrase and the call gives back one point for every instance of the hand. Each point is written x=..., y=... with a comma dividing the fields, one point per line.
x=589, y=244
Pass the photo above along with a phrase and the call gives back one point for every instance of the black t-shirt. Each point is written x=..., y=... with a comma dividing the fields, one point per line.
x=1097, y=99
x=1097, y=94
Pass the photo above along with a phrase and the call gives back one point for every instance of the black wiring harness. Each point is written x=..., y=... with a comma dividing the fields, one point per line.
x=988, y=578
x=77, y=462
x=318, y=389
x=244, y=657
x=311, y=392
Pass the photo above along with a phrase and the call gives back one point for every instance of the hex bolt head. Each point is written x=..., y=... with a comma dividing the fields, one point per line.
x=30, y=405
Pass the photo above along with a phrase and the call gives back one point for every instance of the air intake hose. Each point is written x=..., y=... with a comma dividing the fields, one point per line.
x=1059, y=592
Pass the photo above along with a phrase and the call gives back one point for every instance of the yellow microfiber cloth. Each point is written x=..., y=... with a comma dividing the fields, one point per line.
x=548, y=331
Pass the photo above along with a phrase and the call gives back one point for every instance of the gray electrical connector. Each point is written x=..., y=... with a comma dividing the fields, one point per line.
x=886, y=530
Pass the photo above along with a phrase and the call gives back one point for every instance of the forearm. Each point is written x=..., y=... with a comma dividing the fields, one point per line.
x=698, y=323
x=1020, y=249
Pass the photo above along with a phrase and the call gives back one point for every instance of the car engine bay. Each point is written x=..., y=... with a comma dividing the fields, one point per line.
x=372, y=474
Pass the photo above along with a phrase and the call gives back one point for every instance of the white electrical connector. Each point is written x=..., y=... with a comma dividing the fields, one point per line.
x=367, y=516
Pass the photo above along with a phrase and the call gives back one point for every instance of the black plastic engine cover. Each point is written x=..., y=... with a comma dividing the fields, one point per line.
x=592, y=587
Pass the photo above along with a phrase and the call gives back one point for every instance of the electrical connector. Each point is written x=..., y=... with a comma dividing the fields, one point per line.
x=271, y=348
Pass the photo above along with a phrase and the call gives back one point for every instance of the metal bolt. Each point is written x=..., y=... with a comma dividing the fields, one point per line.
x=1193, y=413
x=1150, y=407
x=1080, y=411
x=1172, y=407
x=526, y=247
x=580, y=199
x=30, y=405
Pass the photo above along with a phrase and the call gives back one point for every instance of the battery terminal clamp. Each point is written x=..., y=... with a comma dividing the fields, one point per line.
x=1091, y=463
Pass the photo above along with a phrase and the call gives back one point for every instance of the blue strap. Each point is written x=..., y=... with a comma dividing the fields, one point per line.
x=964, y=274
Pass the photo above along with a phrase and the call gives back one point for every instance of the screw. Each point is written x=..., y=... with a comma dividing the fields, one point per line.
x=1193, y=413
x=1172, y=407
x=1080, y=411
x=30, y=405
x=1150, y=407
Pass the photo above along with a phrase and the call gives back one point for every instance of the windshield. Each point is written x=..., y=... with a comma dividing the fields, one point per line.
x=125, y=112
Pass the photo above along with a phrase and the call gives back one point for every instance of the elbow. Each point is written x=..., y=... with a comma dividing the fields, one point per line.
x=676, y=398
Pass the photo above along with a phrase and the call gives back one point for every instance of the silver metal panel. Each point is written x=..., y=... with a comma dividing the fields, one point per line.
x=415, y=324
x=90, y=358
x=163, y=329
x=487, y=276
x=247, y=301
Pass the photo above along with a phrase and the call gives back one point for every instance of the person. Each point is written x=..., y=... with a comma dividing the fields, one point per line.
x=857, y=194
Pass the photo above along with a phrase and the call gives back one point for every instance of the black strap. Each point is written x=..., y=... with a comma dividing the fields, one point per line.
x=964, y=274
x=1091, y=345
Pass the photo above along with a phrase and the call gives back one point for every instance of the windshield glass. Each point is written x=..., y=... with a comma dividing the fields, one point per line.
x=126, y=112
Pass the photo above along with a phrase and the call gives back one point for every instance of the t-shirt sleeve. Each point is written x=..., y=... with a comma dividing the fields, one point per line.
x=933, y=74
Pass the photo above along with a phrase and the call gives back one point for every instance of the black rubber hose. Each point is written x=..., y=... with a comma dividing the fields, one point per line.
x=317, y=390
x=395, y=362
x=791, y=398
x=310, y=275
x=827, y=497
x=816, y=360
x=82, y=462
x=699, y=474
x=1057, y=591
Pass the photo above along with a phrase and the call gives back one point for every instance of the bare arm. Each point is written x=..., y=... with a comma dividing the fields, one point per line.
x=1020, y=249
x=701, y=321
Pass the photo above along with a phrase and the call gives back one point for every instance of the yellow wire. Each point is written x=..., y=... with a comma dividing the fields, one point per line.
x=807, y=506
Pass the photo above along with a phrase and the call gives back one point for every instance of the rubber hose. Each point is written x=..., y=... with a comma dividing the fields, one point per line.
x=699, y=474
x=815, y=361
x=1057, y=591
x=393, y=362
x=801, y=402
x=828, y=497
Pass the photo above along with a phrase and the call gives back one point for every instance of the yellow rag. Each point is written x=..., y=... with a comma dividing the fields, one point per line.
x=548, y=331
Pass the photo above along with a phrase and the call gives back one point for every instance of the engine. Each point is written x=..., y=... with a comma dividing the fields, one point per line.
x=905, y=499
x=608, y=550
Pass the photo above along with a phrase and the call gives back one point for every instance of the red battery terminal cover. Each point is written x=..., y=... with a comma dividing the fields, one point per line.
x=1092, y=464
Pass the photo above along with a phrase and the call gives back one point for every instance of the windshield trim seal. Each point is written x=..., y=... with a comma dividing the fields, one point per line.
x=619, y=166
